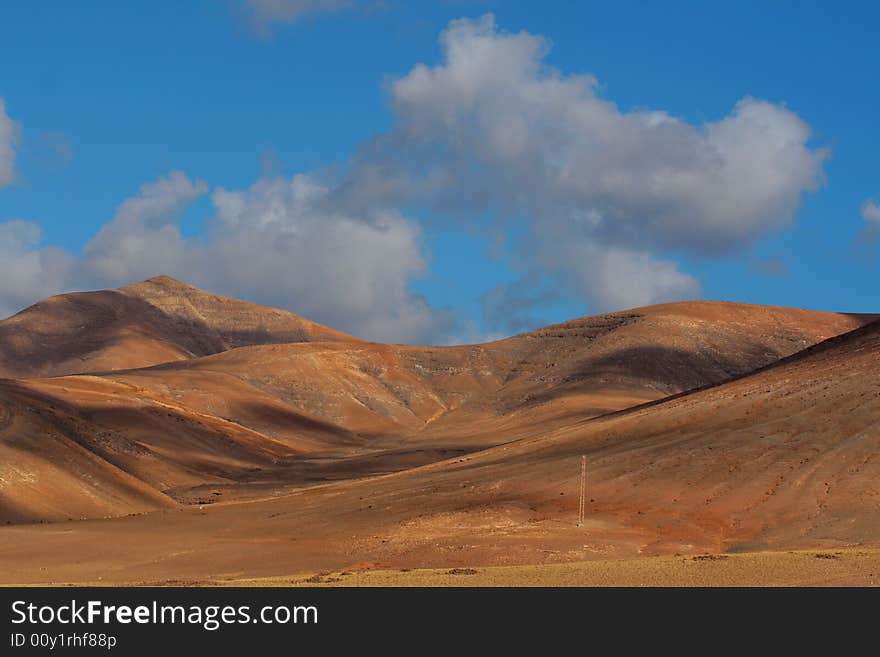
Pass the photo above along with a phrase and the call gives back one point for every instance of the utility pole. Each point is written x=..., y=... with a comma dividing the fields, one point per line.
x=582, y=505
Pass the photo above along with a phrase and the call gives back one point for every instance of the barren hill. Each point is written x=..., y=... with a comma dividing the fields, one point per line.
x=785, y=458
x=155, y=321
x=246, y=422
x=49, y=473
x=476, y=395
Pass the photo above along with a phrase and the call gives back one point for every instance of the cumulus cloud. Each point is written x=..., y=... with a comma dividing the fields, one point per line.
x=544, y=141
x=276, y=243
x=143, y=238
x=351, y=272
x=10, y=133
x=615, y=277
x=493, y=128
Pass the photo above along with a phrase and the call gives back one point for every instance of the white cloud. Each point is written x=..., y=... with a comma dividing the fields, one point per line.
x=10, y=133
x=615, y=278
x=276, y=243
x=543, y=141
x=143, y=238
x=494, y=128
x=139, y=242
x=351, y=272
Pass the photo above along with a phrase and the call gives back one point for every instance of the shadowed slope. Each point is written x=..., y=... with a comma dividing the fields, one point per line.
x=99, y=436
x=50, y=470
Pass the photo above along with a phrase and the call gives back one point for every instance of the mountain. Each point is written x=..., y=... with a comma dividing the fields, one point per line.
x=785, y=458
x=251, y=422
x=155, y=321
x=595, y=365
x=468, y=397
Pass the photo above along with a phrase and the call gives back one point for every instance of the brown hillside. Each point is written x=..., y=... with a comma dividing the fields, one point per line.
x=785, y=458
x=254, y=421
x=151, y=322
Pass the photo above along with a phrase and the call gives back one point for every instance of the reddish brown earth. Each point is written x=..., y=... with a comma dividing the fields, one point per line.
x=258, y=461
x=155, y=321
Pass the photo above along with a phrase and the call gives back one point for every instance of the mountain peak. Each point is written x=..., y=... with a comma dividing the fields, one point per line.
x=162, y=281
x=158, y=320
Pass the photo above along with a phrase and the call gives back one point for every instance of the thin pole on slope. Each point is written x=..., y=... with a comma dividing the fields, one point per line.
x=582, y=504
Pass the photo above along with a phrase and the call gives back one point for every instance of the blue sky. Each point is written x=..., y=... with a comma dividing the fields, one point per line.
x=293, y=153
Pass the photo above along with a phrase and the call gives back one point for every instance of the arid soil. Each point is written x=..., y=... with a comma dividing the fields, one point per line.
x=846, y=567
x=196, y=438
